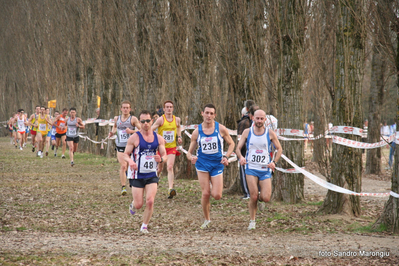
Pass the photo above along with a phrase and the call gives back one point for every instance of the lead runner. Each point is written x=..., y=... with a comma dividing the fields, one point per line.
x=210, y=160
x=142, y=172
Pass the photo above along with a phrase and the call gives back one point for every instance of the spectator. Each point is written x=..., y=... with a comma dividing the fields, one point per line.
x=392, y=144
x=160, y=110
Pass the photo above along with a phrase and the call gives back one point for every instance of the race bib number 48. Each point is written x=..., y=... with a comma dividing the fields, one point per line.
x=147, y=164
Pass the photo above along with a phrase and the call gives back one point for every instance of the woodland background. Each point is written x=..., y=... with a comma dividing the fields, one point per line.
x=328, y=61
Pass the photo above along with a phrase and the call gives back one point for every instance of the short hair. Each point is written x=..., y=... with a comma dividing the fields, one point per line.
x=209, y=105
x=65, y=109
x=56, y=111
x=72, y=109
x=159, y=106
x=249, y=103
x=126, y=102
x=42, y=107
x=145, y=112
x=21, y=110
x=46, y=108
x=253, y=109
x=154, y=113
x=168, y=101
x=37, y=106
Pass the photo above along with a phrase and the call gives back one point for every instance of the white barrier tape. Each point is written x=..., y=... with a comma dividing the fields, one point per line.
x=333, y=187
x=361, y=145
x=347, y=130
x=102, y=142
x=289, y=171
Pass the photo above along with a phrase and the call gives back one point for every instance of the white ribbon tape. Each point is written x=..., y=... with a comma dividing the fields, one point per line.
x=333, y=187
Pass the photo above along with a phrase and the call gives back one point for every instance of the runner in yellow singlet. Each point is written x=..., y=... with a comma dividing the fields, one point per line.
x=42, y=124
x=31, y=123
x=168, y=127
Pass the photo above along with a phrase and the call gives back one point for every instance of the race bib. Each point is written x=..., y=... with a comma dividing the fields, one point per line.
x=42, y=127
x=258, y=159
x=169, y=136
x=62, y=126
x=71, y=131
x=209, y=145
x=147, y=164
x=123, y=136
x=53, y=131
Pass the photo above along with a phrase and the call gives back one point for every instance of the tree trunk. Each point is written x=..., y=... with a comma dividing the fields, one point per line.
x=289, y=187
x=347, y=162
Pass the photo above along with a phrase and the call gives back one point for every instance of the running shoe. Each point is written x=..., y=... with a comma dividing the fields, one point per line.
x=124, y=192
x=144, y=230
x=171, y=193
x=41, y=155
x=63, y=156
x=72, y=163
x=52, y=147
x=24, y=145
x=33, y=149
x=16, y=146
x=205, y=224
x=55, y=155
x=46, y=153
x=252, y=225
x=20, y=148
x=132, y=209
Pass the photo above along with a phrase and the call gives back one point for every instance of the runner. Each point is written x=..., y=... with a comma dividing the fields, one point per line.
x=10, y=123
x=31, y=122
x=72, y=135
x=13, y=133
x=42, y=123
x=168, y=127
x=14, y=128
x=258, y=164
x=48, y=130
x=210, y=160
x=54, y=131
x=20, y=124
x=60, y=134
x=26, y=130
x=142, y=171
x=123, y=127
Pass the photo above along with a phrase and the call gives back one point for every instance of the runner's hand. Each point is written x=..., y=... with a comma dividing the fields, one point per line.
x=194, y=159
x=243, y=161
x=133, y=165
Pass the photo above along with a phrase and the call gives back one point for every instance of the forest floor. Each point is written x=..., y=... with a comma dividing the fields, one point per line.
x=55, y=214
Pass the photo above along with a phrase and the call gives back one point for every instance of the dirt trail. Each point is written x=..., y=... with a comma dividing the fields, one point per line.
x=76, y=216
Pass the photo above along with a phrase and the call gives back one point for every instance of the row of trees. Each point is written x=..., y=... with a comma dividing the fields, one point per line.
x=324, y=60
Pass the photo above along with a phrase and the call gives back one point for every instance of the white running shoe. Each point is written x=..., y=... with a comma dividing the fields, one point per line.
x=20, y=148
x=205, y=224
x=144, y=230
x=252, y=225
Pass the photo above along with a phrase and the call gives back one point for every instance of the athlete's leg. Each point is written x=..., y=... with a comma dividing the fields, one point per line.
x=252, y=182
x=75, y=147
x=70, y=146
x=265, y=189
x=170, y=163
x=204, y=179
x=123, y=168
x=63, y=144
x=150, y=192
x=137, y=194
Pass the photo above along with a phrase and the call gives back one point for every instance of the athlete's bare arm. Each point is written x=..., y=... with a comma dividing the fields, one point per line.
x=193, y=145
x=157, y=123
x=226, y=136
x=161, y=149
x=241, y=143
x=113, y=131
x=80, y=123
x=30, y=120
x=133, y=141
x=178, y=131
x=276, y=142
x=135, y=122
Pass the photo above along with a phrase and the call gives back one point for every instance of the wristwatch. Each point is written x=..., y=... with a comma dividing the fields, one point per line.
x=274, y=162
x=225, y=157
x=161, y=160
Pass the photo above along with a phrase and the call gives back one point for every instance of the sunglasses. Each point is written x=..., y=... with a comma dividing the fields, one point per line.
x=145, y=121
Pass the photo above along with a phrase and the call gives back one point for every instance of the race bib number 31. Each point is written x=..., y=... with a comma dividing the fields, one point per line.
x=209, y=145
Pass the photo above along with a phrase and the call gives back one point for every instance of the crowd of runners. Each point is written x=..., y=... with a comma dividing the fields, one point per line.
x=147, y=142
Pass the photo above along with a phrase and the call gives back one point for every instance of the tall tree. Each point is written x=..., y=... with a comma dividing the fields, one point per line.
x=291, y=22
x=346, y=162
x=389, y=217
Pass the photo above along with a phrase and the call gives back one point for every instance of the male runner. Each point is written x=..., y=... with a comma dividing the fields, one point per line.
x=257, y=161
x=11, y=124
x=168, y=127
x=142, y=172
x=60, y=134
x=73, y=124
x=48, y=130
x=54, y=130
x=31, y=122
x=210, y=160
x=42, y=123
x=20, y=124
x=123, y=127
